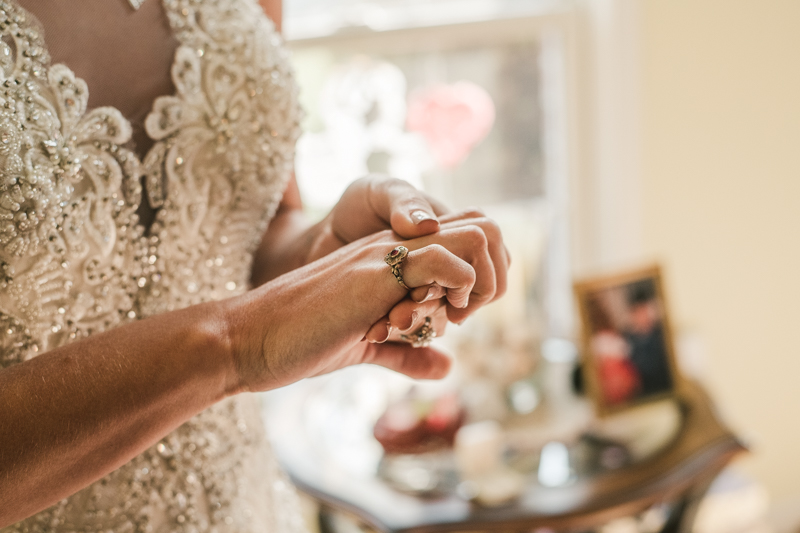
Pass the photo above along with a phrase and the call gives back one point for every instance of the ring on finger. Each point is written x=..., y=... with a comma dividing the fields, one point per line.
x=394, y=260
x=423, y=336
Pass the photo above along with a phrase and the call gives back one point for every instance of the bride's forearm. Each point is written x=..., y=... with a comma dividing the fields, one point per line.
x=288, y=241
x=76, y=413
x=284, y=247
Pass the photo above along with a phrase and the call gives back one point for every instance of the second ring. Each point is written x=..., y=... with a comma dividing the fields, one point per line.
x=423, y=336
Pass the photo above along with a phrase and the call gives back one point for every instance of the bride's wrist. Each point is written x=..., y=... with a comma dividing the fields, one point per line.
x=214, y=336
x=250, y=319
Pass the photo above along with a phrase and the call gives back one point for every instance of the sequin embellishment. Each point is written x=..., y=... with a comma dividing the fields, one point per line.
x=74, y=260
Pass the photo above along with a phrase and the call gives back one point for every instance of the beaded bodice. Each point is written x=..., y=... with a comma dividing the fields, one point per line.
x=75, y=261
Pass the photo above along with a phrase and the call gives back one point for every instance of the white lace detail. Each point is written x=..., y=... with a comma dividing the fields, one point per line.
x=75, y=261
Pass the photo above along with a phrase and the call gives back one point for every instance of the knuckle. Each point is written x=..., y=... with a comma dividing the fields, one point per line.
x=472, y=277
x=473, y=212
x=480, y=300
x=491, y=228
x=436, y=250
x=476, y=236
x=396, y=184
x=378, y=183
x=364, y=181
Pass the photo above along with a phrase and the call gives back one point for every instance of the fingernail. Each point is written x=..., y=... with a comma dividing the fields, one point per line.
x=388, y=332
x=427, y=296
x=419, y=216
x=414, y=316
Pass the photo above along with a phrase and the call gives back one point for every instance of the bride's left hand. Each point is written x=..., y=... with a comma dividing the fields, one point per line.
x=375, y=203
x=410, y=314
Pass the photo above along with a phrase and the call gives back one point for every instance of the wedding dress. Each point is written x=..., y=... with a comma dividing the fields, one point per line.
x=75, y=260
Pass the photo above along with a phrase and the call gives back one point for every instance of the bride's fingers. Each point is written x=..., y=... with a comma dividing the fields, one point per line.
x=379, y=331
x=470, y=243
x=434, y=264
x=427, y=293
x=408, y=211
x=497, y=249
x=418, y=363
x=438, y=207
x=406, y=317
x=408, y=314
x=438, y=323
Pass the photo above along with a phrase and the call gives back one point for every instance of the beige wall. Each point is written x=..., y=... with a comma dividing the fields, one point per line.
x=721, y=186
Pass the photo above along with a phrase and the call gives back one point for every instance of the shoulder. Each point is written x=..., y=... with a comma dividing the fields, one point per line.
x=274, y=10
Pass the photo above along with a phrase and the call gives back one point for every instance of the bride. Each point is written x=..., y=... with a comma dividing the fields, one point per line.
x=155, y=266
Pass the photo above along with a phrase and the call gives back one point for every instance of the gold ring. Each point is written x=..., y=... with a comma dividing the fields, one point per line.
x=393, y=259
x=422, y=337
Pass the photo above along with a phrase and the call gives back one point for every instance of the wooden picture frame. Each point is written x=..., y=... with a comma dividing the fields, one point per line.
x=627, y=348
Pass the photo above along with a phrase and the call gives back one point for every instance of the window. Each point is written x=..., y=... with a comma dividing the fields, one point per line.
x=466, y=99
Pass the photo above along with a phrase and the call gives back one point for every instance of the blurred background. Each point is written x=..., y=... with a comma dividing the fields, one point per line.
x=602, y=135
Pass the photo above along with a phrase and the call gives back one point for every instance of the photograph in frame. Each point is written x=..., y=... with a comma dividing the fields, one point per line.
x=626, y=340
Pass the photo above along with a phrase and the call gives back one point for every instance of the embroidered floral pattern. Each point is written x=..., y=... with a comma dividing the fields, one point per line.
x=75, y=261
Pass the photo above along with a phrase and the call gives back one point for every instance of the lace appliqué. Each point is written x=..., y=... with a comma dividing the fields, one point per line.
x=69, y=240
x=75, y=261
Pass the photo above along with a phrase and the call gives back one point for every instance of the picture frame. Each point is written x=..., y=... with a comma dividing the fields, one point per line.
x=627, y=347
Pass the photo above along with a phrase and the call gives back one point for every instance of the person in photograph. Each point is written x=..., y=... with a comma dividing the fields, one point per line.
x=645, y=336
x=619, y=378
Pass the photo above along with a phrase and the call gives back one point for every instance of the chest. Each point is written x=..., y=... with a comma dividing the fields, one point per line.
x=124, y=56
x=218, y=107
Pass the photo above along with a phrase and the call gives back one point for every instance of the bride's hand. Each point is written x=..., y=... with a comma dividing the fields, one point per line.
x=314, y=319
x=482, y=245
x=375, y=203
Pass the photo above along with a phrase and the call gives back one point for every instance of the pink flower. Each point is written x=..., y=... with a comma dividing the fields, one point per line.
x=452, y=118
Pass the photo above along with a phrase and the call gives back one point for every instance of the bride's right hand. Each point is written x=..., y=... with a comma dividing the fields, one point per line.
x=314, y=319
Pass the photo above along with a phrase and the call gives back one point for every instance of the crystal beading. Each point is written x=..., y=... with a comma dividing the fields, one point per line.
x=75, y=261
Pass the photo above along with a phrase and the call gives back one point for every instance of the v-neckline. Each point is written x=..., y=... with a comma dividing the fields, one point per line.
x=141, y=142
x=83, y=65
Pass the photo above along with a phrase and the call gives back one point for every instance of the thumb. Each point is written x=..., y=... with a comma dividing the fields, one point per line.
x=409, y=212
x=417, y=363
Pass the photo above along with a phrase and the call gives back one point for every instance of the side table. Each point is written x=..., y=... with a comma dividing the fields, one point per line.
x=681, y=473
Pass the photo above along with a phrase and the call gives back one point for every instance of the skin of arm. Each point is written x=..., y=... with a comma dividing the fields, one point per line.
x=287, y=241
x=80, y=411
x=276, y=254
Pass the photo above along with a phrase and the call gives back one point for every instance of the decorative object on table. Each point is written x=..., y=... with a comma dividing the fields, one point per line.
x=485, y=477
x=644, y=430
x=417, y=425
x=417, y=435
x=495, y=363
x=320, y=458
x=628, y=355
